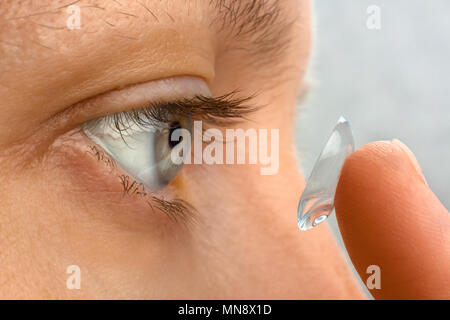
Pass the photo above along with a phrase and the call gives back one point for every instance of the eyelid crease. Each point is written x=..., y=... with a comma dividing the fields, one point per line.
x=177, y=210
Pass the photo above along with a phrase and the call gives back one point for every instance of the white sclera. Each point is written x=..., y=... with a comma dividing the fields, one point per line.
x=141, y=151
x=317, y=200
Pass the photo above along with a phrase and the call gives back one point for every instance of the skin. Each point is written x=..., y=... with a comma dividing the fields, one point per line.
x=61, y=206
x=389, y=216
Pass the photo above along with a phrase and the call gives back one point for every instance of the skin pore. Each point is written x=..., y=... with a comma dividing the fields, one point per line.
x=63, y=204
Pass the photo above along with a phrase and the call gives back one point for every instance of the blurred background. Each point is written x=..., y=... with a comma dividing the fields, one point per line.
x=392, y=82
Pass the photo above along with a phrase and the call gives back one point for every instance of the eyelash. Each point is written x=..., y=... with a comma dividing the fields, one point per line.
x=178, y=210
x=220, y=111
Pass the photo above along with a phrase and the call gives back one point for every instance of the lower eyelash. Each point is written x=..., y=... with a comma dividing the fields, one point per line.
x=178, y=210
x=101, y=156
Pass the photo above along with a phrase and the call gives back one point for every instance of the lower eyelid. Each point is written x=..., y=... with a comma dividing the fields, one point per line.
x=96, y=175
x=176, y=209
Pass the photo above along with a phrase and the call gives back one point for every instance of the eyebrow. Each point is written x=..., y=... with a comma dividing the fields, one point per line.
x=261, y=27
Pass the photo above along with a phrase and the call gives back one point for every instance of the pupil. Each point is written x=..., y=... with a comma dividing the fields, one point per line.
x=174, y=126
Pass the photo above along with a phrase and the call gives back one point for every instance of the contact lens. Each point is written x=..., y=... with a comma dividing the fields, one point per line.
x=317, y=200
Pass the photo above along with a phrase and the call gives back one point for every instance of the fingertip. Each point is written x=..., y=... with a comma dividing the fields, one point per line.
x=366, y=177
x=384, y=208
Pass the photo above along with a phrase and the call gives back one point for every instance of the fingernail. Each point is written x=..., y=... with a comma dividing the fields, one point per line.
x=411, y=157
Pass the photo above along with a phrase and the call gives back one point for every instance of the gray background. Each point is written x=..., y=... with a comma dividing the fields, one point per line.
x=389, y=83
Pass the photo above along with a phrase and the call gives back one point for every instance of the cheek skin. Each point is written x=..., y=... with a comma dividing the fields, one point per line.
x=248, y=248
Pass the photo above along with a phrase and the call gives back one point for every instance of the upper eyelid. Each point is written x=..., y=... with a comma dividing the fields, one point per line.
x=218, y=110
x=134, y=96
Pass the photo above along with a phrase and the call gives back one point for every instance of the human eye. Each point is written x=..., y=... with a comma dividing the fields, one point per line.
x=142, y=142
x=149, y=137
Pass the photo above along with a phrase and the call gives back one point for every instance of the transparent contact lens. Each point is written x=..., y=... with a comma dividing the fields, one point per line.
x=317, y=200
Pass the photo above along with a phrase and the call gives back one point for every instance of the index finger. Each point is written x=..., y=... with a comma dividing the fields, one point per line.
x=389, y=218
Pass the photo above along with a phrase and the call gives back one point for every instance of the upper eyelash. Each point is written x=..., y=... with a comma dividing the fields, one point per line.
x=220, y=111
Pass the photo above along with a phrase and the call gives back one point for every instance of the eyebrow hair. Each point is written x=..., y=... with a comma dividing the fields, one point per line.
x=261, y=23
